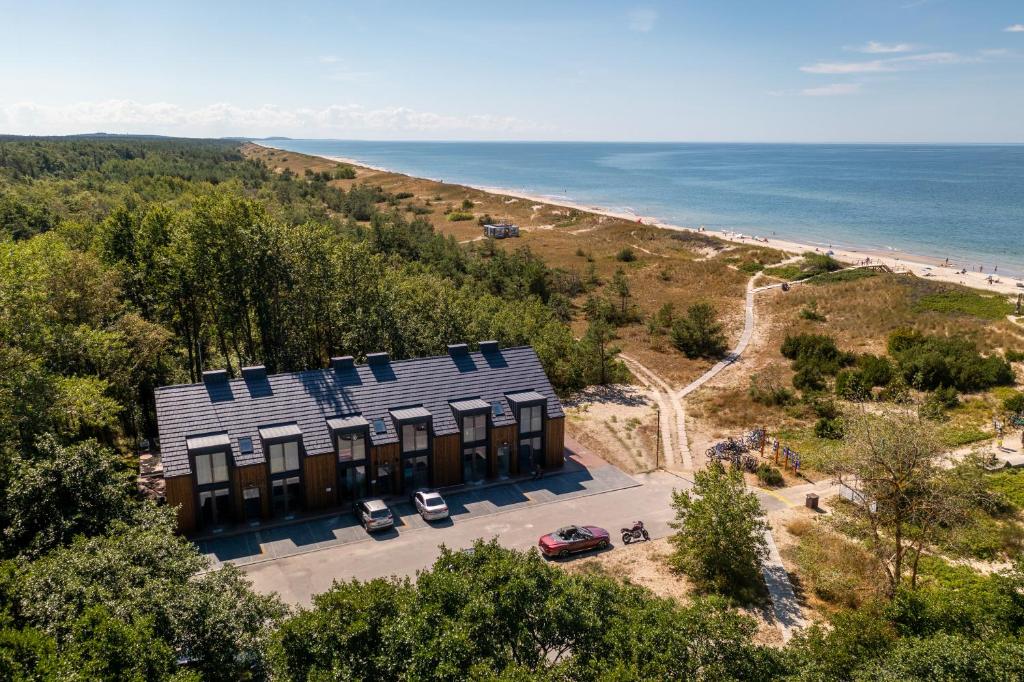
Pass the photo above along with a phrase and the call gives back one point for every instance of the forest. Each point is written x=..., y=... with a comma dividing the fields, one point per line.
x=131, y=263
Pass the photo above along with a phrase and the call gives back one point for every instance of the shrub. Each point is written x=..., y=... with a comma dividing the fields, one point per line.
x=930, y=362
x=751, y=267
x=814, y=357
x=626, y=255
x=766, y=388
x=1012, y=355
x=699, y=334
x=842, y=276
x=829, y=428
x=404, y=195
x=877, y=370
x=769, y=476
x=810, y=312
x=456, y=216
x=467, y=205
x=853, y=385
x=1015, y=403
x=344, y=173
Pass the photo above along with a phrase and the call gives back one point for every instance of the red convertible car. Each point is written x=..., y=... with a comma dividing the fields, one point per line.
x=571, y=539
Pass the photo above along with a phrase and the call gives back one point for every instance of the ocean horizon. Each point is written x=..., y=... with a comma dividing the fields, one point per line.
x=964, y=202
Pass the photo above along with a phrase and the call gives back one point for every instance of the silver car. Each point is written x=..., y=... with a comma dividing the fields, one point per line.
x=374, y=515
x=430, y=505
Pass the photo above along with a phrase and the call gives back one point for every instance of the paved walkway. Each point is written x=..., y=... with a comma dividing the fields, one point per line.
x=787, y=610
x=583, y=476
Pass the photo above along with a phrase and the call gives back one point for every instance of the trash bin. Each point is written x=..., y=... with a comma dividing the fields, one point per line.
x=812, y=501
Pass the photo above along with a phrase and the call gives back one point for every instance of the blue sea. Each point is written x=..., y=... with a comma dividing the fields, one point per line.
x=964, y=202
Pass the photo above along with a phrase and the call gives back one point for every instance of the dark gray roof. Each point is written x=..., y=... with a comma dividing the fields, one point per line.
x=308, y=399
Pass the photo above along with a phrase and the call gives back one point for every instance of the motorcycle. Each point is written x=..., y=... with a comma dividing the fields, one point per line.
x=635, y=534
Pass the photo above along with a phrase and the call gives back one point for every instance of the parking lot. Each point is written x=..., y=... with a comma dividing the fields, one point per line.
x=581, y=477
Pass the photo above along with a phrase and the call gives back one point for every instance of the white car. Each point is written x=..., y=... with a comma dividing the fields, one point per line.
x=430, y=505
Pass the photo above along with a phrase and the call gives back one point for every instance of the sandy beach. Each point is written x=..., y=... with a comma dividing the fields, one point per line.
x=922, y=266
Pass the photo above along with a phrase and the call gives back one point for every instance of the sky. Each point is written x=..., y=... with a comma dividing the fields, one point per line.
x=785, y=71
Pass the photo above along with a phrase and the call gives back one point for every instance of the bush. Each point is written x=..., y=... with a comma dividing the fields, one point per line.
x=456, y=216
x=930, y=362
x=769, y=475
x=1015, y=403
x=699, y=334
x=1012, y=355
x=817, y=351
x=751, y=267
x=853, y=385
x=404, y=195
x=766, y=388
x=467, y=205
x=876, y=370
x=829, y=428
x=625, y=255
x=809, y=379
x=810, y=312
x=344, y=173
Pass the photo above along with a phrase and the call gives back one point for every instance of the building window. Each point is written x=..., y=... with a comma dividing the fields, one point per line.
x=211, y=468
x=415, y=473
x=530, y=419
x=352, y=481
x=351, y=446
x=284, y=457
x=286, y=494
x=504, y=460
x=531, y=454
x=474, y=464
x=414, y=437
x=214, y=506
x=474, y=428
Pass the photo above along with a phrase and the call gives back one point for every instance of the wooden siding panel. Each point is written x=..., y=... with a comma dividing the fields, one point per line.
x=554, y=443
x=386, y=454
x=320, y=476
x=180, y=493
x=447, y=461
x=499, y=436
x=252, y=476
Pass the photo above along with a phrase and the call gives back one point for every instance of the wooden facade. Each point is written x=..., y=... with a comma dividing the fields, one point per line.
x=447, y=460
x=320, y=472
x=181, y=494
x=386, y=455
x=320, y=477
x=502, y=435
x=554, y=443
x=252, y=476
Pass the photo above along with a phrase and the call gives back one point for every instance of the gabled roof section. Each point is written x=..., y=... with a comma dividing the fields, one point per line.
x=525, y=397
x=355, y=421
x=280, y=431
x=216, y=441
x=409, y=413
x=472, y=405
x=309, y=399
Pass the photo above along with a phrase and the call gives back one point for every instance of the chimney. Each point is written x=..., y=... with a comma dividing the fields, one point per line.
x=215, y=377
x=340, y=363
x=375, y=359
x=254, y=373
x=457, y=349
x=488, y=346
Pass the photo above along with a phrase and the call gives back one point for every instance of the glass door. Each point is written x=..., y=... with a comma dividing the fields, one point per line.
x=474, y=464
x=504, y=460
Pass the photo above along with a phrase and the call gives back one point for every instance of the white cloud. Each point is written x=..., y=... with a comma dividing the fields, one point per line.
x=221, y=119
x=875, y=47
x=642, y=19
x=832, y=90
x=1014, y=28
x=885, y=65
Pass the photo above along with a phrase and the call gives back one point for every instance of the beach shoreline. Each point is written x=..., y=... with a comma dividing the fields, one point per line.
x=899, y=261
